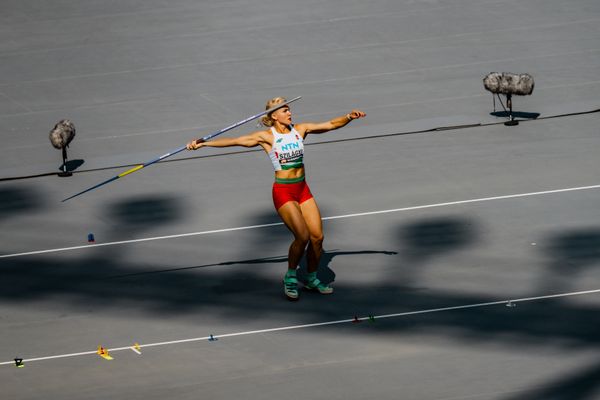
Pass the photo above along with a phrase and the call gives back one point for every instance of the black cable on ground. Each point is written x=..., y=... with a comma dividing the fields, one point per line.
x=431, y=130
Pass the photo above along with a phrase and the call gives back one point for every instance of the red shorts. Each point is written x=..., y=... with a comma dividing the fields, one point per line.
x=284, y=192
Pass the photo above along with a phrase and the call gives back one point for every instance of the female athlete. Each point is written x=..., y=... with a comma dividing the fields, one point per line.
x=294, y=203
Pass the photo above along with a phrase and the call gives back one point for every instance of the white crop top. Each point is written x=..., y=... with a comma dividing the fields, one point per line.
x=287, y=151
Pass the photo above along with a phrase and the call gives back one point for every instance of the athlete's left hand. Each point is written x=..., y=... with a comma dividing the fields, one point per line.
x=356, y=114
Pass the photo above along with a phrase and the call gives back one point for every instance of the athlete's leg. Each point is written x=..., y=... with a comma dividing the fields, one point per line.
x=291, y=215
x=312, y=218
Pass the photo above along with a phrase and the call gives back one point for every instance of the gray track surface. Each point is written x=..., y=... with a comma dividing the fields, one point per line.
x=140, y=78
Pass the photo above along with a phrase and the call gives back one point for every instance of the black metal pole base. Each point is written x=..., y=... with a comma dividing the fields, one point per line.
x=64, y=173
x=512, y=121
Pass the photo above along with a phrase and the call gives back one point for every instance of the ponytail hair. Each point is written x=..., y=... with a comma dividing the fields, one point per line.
x=267, y=120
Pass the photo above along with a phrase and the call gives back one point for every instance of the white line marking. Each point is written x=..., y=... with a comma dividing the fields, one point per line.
x=140, y=240
x=242, y=228
x=452, y=203
x=313, y=325
x=135, y=350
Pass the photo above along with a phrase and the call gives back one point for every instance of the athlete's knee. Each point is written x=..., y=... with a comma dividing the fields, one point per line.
x=317, y=240
x=302, y=238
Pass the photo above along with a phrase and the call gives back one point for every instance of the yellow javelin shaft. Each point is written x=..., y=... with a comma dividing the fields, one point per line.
x=132, y=170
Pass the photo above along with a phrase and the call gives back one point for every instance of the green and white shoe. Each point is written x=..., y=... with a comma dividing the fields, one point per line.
x=314, y=284
x=290, y=285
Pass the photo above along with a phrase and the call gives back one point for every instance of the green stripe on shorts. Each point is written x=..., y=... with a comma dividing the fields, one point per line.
x=289, y=180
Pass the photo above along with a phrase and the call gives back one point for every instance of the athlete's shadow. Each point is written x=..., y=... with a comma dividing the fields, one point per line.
x=325, y=273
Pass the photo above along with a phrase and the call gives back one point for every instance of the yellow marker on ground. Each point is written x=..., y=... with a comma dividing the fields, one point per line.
x=136, y=348
x=102, y=352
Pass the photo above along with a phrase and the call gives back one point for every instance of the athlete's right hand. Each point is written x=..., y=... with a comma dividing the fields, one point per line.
x=195, y=144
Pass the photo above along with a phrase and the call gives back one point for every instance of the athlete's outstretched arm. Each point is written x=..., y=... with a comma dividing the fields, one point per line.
x=250, y=140
x=336, y=123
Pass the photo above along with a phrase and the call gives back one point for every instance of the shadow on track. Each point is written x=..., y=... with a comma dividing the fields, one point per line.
x=71, y=165
x=17, y=200
x=579, y=385
x=103, y=282
x=516, y=114
x=571, y=254
x=325, y=273
x=140, y=213
x=430, y=238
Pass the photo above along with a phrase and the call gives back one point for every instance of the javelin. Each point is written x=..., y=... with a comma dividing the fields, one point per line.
x=171, y=153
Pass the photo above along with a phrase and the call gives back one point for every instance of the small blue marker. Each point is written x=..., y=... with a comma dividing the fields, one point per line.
x=91, y=238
